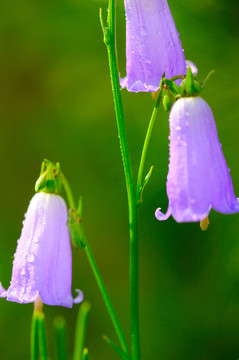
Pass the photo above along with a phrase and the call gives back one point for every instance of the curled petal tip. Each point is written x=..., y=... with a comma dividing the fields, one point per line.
x=79, y=298
x=161, y=216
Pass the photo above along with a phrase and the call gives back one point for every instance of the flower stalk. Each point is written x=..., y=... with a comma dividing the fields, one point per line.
x=109, y=38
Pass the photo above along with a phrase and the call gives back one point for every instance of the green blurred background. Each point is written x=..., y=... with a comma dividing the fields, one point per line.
x=56, y=102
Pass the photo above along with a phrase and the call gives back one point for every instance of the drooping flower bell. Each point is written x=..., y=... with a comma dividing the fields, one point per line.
x=152, y=45
x=198, y=178
x=42, y=265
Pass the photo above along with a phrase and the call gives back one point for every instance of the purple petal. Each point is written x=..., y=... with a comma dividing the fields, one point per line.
x=152, y=45
x=198, y=177
x=42, y=263
x=79, y=298
x=3, y=292
x=161, y=216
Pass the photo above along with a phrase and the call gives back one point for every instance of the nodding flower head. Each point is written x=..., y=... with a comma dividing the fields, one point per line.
x=42, y=263
x=152, y=45
x=198, y=177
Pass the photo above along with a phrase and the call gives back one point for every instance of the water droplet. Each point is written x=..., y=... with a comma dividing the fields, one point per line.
x=178, y=127
x=23, y=271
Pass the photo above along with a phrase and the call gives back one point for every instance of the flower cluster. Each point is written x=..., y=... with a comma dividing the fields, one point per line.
x=198, y=177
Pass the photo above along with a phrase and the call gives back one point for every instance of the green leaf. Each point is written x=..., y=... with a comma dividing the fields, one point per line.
x=60, y=335
x=80, y=332
x=121, y=354
x=146, y=180
x=85, y=354
x=190, y=89
x=173, y=87
x=209, y=75
x=75, y=228
x=42, y=336
x=35, y=337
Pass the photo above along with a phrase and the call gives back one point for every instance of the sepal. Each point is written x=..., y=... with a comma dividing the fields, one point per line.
x=49, y=180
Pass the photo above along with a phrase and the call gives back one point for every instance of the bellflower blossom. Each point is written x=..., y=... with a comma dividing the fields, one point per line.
x=42, y=263
x=198, y=177
x=152, y=45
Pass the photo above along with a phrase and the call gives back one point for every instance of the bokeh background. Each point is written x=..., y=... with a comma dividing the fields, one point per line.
x=56, y=102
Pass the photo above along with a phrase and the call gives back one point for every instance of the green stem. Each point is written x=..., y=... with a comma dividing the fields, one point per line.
x=34, y=337
x=146, y=145
x=96, y=272
x=105, y=296
x=131, y=193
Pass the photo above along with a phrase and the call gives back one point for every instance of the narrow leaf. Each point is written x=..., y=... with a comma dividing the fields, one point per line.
x=80, y=332
x=34, y=337
x=173, y=87
x=60, y=335
x=146, y=180
x=121, y=354
x=42, y=336
x=85, y=354
x=189, y=82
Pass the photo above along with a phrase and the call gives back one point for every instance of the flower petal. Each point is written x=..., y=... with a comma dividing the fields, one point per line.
x=198, y=177
x=3, y=292
x=161, y=216
x=42, y=263
x=152, y=45
x=79, y=298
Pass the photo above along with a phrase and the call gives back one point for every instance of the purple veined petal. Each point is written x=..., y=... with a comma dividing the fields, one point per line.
x=192, y=66
x=79, y=298
x=42, y=263
x=152, y=45
x=198, y=177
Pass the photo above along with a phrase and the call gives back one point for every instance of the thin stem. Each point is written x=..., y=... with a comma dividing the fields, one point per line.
x=131, y=193
x=146, y=145
x=106, y=298
x=96, y=272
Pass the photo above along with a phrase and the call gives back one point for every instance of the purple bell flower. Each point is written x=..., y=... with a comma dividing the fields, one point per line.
x=198, y=177
x=42, y=263
x=152, y=45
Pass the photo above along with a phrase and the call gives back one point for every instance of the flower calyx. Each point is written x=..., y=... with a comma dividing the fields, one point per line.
x=49, y=180
x=189, y=87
